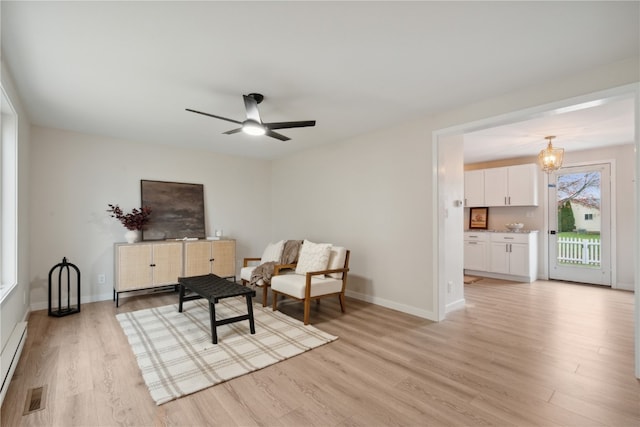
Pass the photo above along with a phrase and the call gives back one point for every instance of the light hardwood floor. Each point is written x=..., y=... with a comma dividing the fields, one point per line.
x=518, y=354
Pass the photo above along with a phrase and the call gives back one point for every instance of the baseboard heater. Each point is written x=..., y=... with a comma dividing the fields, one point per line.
x=10, y=356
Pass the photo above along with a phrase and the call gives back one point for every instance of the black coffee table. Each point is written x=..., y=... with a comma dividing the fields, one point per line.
x=215, y=288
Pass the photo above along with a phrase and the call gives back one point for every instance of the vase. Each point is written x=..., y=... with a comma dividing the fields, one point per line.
x=132, y=236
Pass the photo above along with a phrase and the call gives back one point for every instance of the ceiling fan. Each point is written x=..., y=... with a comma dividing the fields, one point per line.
x=254, y=125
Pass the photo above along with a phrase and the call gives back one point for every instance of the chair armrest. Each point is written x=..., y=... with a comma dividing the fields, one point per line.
x=247, y=260
x=310, y=274
x=278, y=267
x=335, y=270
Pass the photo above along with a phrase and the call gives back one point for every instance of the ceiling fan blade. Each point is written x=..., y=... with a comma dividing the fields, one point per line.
x=251, y=105
x=289, y=125
x=276, y=135
x=232, y=131
x=214, y=116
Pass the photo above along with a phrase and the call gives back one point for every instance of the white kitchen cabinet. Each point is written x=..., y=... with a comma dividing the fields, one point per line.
x=475, y=251
x=511, y=186
x=495, y=186
x=474, y=188
x=509, y=255
x=514, y=254
x=523, y=185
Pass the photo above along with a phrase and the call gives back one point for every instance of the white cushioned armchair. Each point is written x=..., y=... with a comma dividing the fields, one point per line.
x=274, y=254
x=321, y=271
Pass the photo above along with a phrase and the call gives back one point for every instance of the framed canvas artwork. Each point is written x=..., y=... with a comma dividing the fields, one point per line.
x=177, y=210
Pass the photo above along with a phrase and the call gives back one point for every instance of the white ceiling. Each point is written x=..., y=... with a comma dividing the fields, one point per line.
x=596, y=124
x=129, y=69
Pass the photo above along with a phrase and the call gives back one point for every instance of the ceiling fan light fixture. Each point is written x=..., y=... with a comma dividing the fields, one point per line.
x=252, y=127
x=550, y=159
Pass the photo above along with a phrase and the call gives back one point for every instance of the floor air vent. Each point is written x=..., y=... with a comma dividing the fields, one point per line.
x=35, y=400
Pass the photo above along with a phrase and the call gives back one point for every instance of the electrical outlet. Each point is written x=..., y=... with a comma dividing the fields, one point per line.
x=449, y=287
x=101, y=279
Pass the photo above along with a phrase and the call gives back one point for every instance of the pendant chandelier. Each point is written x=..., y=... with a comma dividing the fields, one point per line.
x=550, y=159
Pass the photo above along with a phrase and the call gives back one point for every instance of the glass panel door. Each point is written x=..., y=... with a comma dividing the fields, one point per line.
x=579, y=224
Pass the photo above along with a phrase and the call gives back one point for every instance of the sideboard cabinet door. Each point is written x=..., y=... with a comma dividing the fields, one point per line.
x=198, y=258
x=224, y=255
x=133, y=267
x=167, y=260
x=210, y=256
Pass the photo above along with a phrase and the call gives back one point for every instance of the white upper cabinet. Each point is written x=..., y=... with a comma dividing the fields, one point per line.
x=523, y=185
x=495, y=187
x=474, y=188
x=511, y=186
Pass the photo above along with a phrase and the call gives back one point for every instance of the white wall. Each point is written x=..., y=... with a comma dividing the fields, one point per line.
x=374, y=193
x=74, y=176
x=450, y=221
x=369, y=194
x=15, y=307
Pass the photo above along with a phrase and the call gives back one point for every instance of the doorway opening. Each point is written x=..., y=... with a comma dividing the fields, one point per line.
x=444, y=240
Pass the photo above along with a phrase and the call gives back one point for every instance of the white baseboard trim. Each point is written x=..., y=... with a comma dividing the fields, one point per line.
x=44, y=305
x=426, y=314
x=624, y=286
x=523, y=279
x=456, y=305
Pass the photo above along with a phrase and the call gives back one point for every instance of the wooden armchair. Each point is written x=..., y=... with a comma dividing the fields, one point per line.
x=250, y=264
x=314, y=285
x=273, y=254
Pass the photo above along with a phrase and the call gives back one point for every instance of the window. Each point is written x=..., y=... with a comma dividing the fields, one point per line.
x=588, y=217
x=8, y=197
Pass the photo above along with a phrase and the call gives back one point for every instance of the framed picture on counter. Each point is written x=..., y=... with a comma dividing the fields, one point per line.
x=478, y=218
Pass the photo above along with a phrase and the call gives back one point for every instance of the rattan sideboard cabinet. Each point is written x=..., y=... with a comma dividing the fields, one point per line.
x=151, y=265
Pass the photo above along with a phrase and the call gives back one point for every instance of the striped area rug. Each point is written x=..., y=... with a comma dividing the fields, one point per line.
x=176, y=356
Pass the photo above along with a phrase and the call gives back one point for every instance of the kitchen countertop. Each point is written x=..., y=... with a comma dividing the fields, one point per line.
x=502, y=231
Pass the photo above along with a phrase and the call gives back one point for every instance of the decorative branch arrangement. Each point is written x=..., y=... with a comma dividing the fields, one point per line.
x=134, y=220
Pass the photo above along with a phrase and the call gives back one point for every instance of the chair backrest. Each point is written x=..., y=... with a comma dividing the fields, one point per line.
x=338, y=258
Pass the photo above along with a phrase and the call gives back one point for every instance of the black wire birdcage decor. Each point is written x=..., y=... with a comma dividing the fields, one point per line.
x=63, y=273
